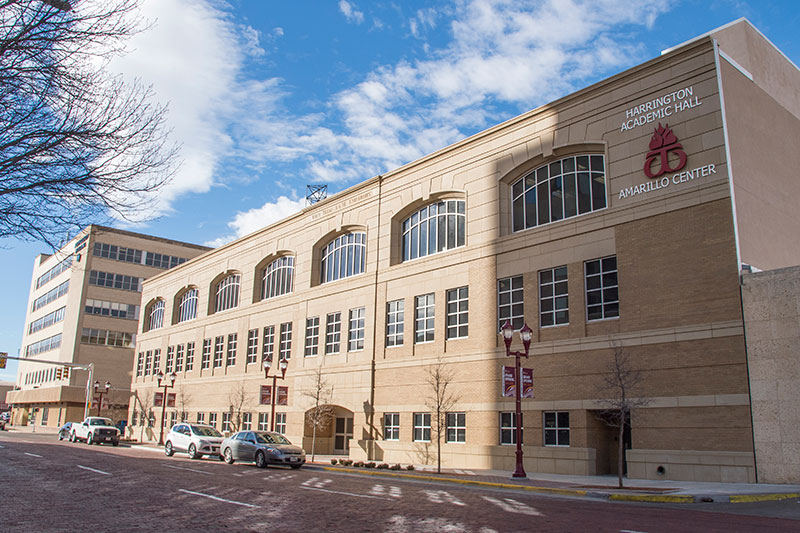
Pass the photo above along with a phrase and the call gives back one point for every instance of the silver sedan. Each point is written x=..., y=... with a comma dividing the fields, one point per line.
x=263, y=448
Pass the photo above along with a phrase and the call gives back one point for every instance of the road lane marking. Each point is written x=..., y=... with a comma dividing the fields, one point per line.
x=189, y=469
x=442, y=496
x=380, y=490
x=33, y=455
x=346, y=493
x=316, y=482
x=93, y=470
x=512, y=506
x=630, y=531
x=210, y=497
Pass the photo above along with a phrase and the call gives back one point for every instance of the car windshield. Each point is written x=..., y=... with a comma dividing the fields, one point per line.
x=271, y=438
x=205, y=431
x=100, y=422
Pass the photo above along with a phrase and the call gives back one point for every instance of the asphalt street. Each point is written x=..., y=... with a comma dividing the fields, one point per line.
x=47, y=485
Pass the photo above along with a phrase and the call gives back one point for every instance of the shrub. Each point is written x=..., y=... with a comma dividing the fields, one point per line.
x=334, y=461
x=359, y=464
x=395, y=467
x=370, y=464
x=410, y=467
x=383, y=466
x=347, y=462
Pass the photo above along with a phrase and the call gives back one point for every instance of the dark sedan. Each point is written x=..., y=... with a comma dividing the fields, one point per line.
x=263, y=448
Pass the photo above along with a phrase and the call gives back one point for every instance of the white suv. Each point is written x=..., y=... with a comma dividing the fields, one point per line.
x=195, y=439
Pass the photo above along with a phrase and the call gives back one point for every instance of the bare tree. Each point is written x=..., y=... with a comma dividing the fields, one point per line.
x=183, y=400
x=145, y=403
x=239, y=403
x=620, y=383
x=78, y=145
x=321, y=413
x=440, y=401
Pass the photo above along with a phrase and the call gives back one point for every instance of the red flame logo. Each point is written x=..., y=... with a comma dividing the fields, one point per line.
x=662, y=143
x=662, y=136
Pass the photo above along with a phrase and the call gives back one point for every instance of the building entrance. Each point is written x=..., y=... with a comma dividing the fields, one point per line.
x=343, y=432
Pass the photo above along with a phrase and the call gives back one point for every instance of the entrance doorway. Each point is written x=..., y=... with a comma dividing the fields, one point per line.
x=343, y=432
x=604, y=437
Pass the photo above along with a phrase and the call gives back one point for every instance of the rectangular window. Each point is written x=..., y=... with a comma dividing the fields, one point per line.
x=47, y=320
x=115, y=281
x=219, y=349
x=263, y=421
x=509, y=302
x=391, y=426
x=424, y=311
x=456, y=427
x=312, y=336
x=333, y=332
x=280, y=422
x=140, y=365
x=51, y=295
x=602, y=291
x=111, y=309
x=226, y=422
x=556, y=428
x=553, y=297
x=212, y=420
x=422, y=427
x=285, y=350
x=201, y=418
x=508, y=428
x=148, y=361
x=156, y=360
x=205, y=358
x=247, y=421
x=107, y=338
x=356, y=331
x=252, y=346
x=189, y=356
x=62, y=266
x=173, y=418
x=268, y=348
x=394, y=322
x=230, y=359
x=44, y=345
x=458, y=313
x=170, y=359
x=179, y=351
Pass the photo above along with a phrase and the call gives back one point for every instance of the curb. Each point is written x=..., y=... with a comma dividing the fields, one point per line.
x=611, y=496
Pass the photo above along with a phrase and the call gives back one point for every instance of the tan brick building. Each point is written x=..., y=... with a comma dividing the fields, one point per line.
x=584, y=218
x=84, y=308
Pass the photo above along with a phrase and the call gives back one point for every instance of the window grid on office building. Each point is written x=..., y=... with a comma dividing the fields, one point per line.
x=170, y=359
x=556, y=428
x=187, y=306
x=562, y=189
x=285, y=349
x=230, y=359
x=111, y=309
x=355, y=338
x=508, y=428
x=140, y=365
x=117, y=253
x=212, y=420
x=252, y=346
x=458, y=313
x=395, y=322
x=263, y=421
x=115, y=281
x=227, y=294
x=312, y=336
x=51, y=295
x=226, y=422
x=105, y=337
x=247, y=421
x=456, y=427
x=510, y=302
x=553, y=297
x=189, y=356
x=47, y=320
x=148, y=362
x=219, y=350
x=205, y=357
x=62, y=266
x=201, y=418
x=268, y=348
x=179, y=351
x=434, y=228
x=602, y=290
x=422, y=427
x=280, y=422
x=343, y=257
x=391, y=426
x=424, y=318
x=278, y=278
x=156, y=360
x=333, y=332
x=156, y=315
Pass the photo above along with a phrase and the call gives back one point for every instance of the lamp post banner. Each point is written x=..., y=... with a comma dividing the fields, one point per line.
x=283, y=395
x=171, y=399
x=158, y=400
x=527, y=383
x=509, y=389
x=266, y=395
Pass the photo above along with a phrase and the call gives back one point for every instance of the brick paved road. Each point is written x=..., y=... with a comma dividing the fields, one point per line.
x=46, y=485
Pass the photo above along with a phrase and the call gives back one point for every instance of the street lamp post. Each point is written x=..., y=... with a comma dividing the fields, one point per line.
x=282, y=365
x=525, y=334
x=165, y=386
x=100, y=393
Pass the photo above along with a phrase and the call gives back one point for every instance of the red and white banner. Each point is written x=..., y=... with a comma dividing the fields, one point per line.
x=509, y=382
x=527, y=383
x=266, y=395
x=283, y=396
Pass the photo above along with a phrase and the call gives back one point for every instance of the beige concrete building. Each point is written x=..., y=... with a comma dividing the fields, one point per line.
x=83, y=308
x=614, y=220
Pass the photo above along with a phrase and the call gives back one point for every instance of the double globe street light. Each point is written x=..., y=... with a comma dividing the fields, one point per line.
x=267, y=365
x=526, y=334
x=99, y=392
x=165, y=386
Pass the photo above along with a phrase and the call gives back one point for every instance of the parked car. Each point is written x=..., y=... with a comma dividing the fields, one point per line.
x=94, y=430
x=195, y=439
x=263, y=448
x=5, y=416
x=65, y=430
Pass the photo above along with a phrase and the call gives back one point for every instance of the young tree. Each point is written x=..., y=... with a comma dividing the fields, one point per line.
x=77, y=144
x=183, y=400
x=620, y=382
x=321, y=413
x=239, y=403
x=145, y=404
x=440, y=401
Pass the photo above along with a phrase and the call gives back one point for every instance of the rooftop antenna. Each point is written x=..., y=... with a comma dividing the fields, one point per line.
x=315, y=193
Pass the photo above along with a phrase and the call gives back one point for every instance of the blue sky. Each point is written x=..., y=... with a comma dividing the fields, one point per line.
x=266, y=97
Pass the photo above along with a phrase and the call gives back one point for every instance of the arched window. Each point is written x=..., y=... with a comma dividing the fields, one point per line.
x=155, y=318
x=187, y=306
x=562, y=189
x=434, y=228
x=344, y=256
x=278, y=277
x=227, y=293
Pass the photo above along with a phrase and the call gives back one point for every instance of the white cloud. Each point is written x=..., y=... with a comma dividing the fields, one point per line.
x=246, y=222
x=350, y=12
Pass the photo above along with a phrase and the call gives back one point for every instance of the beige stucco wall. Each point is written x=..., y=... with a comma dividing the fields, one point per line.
x=771, y=302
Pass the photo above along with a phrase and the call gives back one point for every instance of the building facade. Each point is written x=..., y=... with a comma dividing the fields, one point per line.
x=83, y=308
x=615, y=220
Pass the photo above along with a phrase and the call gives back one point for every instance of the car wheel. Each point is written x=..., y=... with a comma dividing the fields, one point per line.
x=192, y=451
x=228, y=456
x=89, y=439
x=72, y=437
x=60, y=436
x=115, y=443
x=261, y=461
x=168, y=451
x=295, y=467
